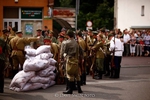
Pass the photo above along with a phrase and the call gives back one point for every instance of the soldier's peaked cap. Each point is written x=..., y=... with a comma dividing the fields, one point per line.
x=5, y=31
x=19, y=31
x=39, y=29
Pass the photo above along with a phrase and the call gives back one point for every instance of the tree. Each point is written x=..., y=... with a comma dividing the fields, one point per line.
x=100, y=12
x=101, y=17
x=65, y=3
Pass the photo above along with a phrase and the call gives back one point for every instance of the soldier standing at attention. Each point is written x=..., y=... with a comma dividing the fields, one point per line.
x=71, y=51
x=40, y=42
x=82, y=44
x=90, y=40
x=98, y=49
x=4, y=51
x=18, y=44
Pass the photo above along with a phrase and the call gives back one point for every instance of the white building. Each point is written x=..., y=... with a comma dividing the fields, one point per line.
x=132, y=14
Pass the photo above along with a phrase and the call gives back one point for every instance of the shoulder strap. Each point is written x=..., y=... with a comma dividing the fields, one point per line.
x=114, y=47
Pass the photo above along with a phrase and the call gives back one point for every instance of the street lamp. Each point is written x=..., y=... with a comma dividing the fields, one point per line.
x=77, y=12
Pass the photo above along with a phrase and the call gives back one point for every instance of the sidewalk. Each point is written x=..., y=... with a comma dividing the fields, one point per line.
x=135, y=61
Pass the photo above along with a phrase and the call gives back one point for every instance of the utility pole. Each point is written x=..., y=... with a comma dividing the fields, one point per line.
x=77, y=12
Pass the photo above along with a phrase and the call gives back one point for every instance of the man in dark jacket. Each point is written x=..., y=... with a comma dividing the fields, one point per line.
x=4, y=48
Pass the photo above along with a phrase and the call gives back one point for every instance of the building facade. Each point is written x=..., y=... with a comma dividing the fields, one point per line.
x=132, y=14
x=25, y=15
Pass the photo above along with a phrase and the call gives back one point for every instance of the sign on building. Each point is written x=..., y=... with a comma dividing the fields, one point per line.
x=67, y=14
x=31, y=13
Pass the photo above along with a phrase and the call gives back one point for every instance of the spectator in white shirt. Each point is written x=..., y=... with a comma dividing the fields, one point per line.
x=116, y=46
x=126, y=39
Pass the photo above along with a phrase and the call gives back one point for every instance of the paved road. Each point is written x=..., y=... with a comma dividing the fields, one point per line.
x=134, y=84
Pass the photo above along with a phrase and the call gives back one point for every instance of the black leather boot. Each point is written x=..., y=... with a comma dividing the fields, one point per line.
x=79, y=87
x=81, y=80
x=67, y=83
x=84, y=78
x=74, y=85
x=70, y=90
x=2, y=86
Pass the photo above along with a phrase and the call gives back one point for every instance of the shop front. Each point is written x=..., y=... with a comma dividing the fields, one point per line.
x=25, y=15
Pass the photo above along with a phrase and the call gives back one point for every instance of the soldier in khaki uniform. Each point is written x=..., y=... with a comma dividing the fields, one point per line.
x=54, y=48
x=83, y=46
x=40, y=41
x=90, y=41
x=6, y=37
x=107, y=57
x=4, y=50
x=98, y=49
x=71, y=51
x=18, y=44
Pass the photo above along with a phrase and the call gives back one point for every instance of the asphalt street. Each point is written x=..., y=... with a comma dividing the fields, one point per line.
x=133, y=84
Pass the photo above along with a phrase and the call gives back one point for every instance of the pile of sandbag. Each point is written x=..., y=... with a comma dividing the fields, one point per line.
x=39, y=70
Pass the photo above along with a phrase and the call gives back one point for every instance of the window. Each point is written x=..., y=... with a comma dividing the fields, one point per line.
x=10, y=12
x=142, y=11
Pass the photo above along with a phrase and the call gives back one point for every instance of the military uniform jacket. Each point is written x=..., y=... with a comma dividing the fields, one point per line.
x=71, y=48
x=18, y=44
x=62, y=49
x=98, y=48
x=90, y=41
x=55, y=50
x=4, y=49
x=82, y=44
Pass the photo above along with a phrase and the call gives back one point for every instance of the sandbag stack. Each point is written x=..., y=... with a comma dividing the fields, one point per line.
x=39, y=70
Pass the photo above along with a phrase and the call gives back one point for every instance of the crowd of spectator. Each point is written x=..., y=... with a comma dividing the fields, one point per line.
x=136, y=42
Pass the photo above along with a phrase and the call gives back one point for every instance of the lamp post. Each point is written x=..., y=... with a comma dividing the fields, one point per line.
x=77, y=12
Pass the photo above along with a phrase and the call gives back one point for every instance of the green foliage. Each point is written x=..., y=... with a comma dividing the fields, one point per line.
x=100, y=12
x=65, y=3
x=102, y=17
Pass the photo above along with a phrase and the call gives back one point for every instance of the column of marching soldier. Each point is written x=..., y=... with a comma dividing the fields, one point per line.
x=94, y=55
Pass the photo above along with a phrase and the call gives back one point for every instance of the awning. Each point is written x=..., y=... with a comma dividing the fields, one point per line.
x=62, y=22
x=140, y=27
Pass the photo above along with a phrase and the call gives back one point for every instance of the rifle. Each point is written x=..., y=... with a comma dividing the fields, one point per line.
x=112, y=59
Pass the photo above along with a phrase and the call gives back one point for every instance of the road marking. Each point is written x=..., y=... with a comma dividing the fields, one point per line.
x=116, y=81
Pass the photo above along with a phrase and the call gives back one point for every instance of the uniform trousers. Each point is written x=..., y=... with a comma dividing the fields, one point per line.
x=117, y=62
x=16, y=60
x=2, y=66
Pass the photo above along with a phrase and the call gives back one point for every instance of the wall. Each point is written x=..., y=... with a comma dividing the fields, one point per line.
x=26, y=3
x=128, y=13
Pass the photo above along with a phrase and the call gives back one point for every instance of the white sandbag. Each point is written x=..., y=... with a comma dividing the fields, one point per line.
x=35, y=64
x=52, y=61
x=30, y=52
x=32, y=86
x=43, y=49
x=45, y=86
x=52, y=76
x=29, y=57
x=46, y=72
x=16, y=89
x=20, y=79
x=38, y=79
x=44, y=56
